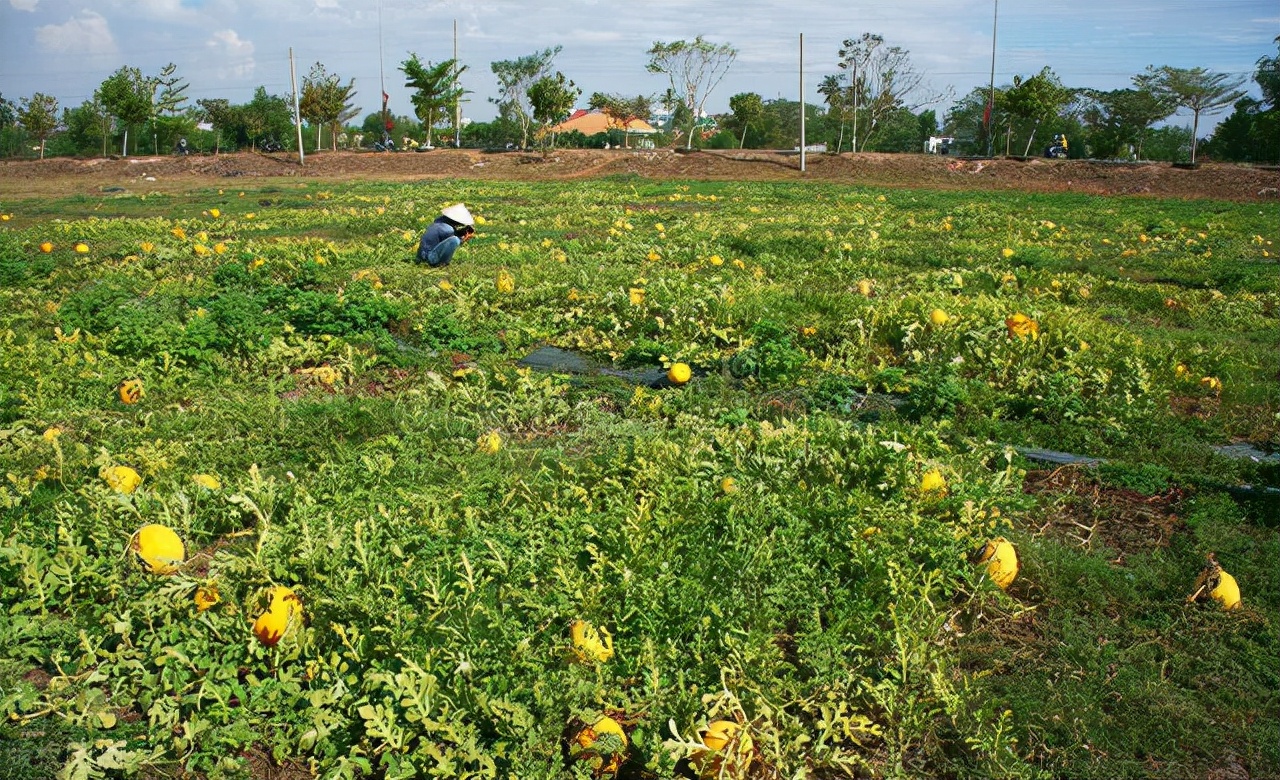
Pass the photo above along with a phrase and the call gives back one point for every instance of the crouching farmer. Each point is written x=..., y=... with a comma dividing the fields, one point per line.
x=453, y=228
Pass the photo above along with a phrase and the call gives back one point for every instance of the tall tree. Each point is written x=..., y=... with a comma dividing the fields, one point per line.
x=1252, y=132
x=8, y=113
x=1267, y=74
x=515, y=77
x=748, y=111
x=552, y=98
x=694, y=68
x=38, y=115
x=622, y=110
x=326, y=102
x=967, y=121
x=833, y=94
x=1122, y=117
x=221, y=114
x=265, y=116
x=879, y=80
x=88, y=126
x=435, y=87
x=1197, y=90
x=1037, y=99
x=127, y=94
x=170, y=114
x=171, y=97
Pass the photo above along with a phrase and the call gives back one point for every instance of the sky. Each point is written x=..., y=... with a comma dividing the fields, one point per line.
x=226, y=48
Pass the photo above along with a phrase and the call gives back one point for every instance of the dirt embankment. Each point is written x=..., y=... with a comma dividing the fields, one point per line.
x=1211, y=180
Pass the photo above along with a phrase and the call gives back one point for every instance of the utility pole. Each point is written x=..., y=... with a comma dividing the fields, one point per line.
x=297, y=116
x=991, y=97
x=457, y=101
x=382, y=78
x=802, y=143
x=854, y=86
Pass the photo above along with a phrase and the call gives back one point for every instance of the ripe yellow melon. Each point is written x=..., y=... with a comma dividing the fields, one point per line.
x=933, y=482
x=719, y=733
x=588, y=741
x=489, y=443
x=679, y=373
x=939, y=318
x=272, y=624
x=121, y=479
x=590, y=643
x=716, y=761
x=131, y=391
x=158, y=548
x=1228, y=591
x=1002, y=561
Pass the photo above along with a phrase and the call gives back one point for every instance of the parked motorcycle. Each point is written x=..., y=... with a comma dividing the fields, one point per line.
x=270, y=145
x=1058, y=148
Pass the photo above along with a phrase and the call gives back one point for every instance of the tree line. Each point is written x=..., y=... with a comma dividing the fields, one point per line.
x=874, y=100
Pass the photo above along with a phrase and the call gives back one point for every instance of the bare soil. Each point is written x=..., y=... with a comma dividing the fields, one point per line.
x=1086, y=513
x=1209, y=180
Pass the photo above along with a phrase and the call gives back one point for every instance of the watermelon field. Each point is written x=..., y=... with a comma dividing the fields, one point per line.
x=276, y=501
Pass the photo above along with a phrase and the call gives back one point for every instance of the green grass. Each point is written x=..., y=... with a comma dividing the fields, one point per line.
x=338, y=392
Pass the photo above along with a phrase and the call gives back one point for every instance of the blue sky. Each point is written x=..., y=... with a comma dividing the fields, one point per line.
x=225, y=48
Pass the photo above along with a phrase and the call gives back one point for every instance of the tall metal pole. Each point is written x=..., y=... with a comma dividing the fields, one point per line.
x=457, y=101
x=991, y=97
x=802, y=144
x=854, y=86
x=382, y=78
x=297, y=116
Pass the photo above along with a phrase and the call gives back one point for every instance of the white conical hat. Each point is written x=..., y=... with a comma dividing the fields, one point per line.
x=458, y=213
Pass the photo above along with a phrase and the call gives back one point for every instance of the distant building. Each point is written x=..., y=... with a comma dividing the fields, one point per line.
x=591, y=122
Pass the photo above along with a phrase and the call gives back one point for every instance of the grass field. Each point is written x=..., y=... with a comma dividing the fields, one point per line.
x=786, y=542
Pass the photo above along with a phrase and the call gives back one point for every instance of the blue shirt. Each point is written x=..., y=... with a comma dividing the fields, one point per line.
x=438, y=231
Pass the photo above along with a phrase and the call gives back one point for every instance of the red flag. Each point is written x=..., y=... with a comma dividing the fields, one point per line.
x=986, y=114
x=385, y=98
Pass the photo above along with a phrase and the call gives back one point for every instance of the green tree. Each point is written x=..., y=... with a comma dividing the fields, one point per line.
x=694, y=68
x=1197, y=90
x=38, y=115
x=552, y=98
x=926, y=127
x=265, y=116
x=326, y=102
x=515, y=77
x=877, y=81
x=965, y=120
x=1252, y=132
x=1267, y=74
x=1036, y=99
x=8, y=113
x=621, y=110
x=127, y=95
x=835, y=94
x=88, y=127
x=171, y=115
x=221, y=114
x=748, y=111
x=1121, y=118
x=435, y=87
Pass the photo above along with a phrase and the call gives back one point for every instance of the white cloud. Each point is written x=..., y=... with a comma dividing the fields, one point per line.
x=87, y=33
x=326, y=3
x=24, y=5
x=234, y=55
